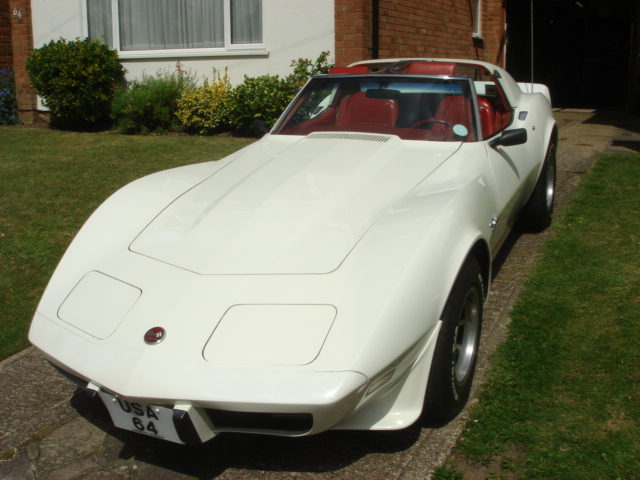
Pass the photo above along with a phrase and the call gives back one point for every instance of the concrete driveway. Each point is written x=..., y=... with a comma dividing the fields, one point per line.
x=47, y=432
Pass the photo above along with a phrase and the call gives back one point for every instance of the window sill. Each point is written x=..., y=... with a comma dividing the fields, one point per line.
x=193, y=52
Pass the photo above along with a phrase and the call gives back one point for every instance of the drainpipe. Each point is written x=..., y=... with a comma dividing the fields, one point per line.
x=633, y=83
x=375, y=29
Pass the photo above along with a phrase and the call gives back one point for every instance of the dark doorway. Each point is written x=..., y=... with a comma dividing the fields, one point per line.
x=581, y=49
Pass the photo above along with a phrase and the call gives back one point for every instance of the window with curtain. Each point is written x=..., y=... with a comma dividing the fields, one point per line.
x=169, y=24
x=246, y=21
x=99, y=20
x=174, y=24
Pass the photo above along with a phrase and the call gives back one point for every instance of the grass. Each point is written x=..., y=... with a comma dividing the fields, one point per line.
x=563, y=399
x=50, y=181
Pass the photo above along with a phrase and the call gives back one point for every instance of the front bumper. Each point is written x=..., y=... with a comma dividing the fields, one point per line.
x=199, y=423
x=287, y=400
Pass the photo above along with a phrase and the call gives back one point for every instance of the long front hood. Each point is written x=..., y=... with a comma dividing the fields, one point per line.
x=299, y=211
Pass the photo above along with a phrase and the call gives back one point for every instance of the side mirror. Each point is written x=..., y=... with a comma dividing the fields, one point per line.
x=508, y=138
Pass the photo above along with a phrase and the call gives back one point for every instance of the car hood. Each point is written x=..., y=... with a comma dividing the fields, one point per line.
x=301, y=210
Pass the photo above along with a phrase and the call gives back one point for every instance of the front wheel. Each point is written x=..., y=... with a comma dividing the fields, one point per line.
x=456, y=351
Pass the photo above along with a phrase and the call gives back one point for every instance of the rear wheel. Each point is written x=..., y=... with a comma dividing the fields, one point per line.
x=538, y=211
x=456, y=351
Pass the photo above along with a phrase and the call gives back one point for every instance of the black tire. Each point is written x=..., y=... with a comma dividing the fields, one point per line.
x=538, y=212
x=456, y=351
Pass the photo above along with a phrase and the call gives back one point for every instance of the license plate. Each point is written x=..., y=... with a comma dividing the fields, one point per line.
x=152, y=420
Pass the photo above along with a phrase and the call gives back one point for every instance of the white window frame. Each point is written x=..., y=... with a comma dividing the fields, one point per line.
x=228, y=50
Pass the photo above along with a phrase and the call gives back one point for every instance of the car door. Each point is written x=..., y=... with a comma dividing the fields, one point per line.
x=512, y=166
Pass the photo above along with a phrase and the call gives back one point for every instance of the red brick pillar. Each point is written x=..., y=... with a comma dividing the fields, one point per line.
x=22, y=44
x=493, y=24
x=353, y=31
x=6, y=55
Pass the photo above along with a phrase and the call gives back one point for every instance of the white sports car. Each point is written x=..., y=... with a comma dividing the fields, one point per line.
x=329, y=276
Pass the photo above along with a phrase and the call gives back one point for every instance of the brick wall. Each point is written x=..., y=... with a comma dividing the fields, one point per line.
x=493, y=31
x=6, y=57
x=22, y=43
x=353, y=21
x=434, y=28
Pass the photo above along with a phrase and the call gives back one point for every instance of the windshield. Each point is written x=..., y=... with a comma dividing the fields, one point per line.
x=425, y=108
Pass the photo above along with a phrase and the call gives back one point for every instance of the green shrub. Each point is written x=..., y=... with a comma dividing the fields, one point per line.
x=76, y=80
x=264, y=98
x=207, y=109
x=150, y=105
x=260, y=98
x=8, y=112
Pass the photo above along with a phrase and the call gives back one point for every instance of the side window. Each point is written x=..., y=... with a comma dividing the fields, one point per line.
x=495, y=113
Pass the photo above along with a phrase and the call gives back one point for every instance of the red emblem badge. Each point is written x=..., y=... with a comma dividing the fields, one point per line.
x=154, y=335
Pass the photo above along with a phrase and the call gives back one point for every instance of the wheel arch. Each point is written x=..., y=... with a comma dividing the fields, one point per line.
x=551, y=136
x=480, y=251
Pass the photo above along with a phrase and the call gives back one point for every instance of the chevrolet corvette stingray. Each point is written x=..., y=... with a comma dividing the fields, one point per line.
x=331, y=275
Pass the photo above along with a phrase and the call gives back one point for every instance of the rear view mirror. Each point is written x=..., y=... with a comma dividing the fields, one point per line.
x=508, y=138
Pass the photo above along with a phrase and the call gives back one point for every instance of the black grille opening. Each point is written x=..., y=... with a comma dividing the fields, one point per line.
x=284, y=422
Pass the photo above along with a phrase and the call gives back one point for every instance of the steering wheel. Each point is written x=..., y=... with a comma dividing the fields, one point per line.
x=431, y=120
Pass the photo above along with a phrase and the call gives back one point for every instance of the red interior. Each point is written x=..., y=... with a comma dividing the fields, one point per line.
x=358, y=69
x=358, y=110
x=431, y=68
x=410, y=116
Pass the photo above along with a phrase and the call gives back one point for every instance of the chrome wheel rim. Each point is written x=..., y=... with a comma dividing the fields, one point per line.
x=550, y=191
x=465, y=340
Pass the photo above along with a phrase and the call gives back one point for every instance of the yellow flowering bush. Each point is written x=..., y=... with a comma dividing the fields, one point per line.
x=206, y=109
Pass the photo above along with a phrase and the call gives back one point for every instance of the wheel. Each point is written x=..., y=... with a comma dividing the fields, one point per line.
x=456, y=352
x=538, y=211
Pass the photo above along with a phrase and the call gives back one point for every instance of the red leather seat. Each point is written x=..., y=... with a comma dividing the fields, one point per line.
x=453, y=110
x=358, y=110
x=487, y=117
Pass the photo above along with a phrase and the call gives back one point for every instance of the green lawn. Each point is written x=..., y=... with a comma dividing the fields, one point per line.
x=563, y=400
x=50, y=181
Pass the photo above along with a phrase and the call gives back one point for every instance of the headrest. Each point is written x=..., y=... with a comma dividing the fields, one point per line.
x=358, y=69
x=431, y=68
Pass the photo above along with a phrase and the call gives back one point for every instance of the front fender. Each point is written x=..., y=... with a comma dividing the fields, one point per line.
x=399, y=276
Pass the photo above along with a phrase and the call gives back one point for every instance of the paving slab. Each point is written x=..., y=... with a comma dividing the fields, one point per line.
x=48, y=432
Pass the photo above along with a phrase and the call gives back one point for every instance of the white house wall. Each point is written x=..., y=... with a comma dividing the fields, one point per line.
x=291, y=29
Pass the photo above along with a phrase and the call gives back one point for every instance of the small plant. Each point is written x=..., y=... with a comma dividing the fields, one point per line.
x=304, y=69
x=207, y=109
x=150, y=105
x=8, y=111
x=446, y=473
x=76, y=80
